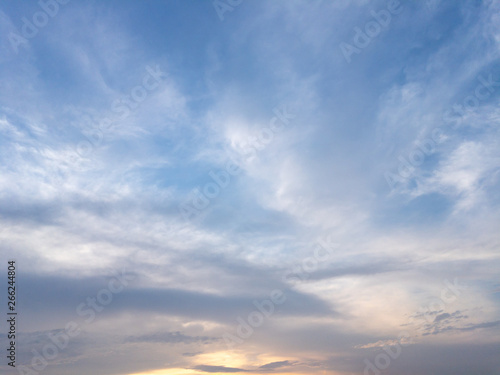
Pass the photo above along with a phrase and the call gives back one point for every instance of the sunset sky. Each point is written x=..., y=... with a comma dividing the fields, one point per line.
x=293, y=187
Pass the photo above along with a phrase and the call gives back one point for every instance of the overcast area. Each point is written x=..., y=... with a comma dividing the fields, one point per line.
x=272, y=187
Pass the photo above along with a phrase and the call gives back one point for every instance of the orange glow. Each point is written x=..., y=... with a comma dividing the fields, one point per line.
x=235, y=359
x=180, y=371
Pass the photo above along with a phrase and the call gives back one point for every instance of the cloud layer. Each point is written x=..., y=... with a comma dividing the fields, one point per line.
x=215, y=187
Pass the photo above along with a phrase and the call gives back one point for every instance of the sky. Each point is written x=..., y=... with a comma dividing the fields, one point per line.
x=194, y=187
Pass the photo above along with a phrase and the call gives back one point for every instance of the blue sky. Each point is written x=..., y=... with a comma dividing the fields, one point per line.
x=293, y=187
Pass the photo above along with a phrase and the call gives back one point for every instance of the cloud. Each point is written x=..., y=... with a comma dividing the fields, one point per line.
x=171, y=338
x=473, y=327
x=454, y=322
x=45, y=293
x=206, y=368
x=441, y=317
x=276, y=365
x=191, y=354
x=69, y=221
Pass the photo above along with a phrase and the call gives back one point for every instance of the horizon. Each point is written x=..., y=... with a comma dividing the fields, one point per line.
x=250, y=186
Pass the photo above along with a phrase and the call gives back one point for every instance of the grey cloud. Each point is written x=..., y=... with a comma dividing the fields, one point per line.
x=170, y=338
x=447, y=360
x=42, y=295
x=215, y=307
x=39, y=212
x=446, y=322
x=418, y=359
x=194, y=354
x=27, y=342
x=440, y=317
x=275, y=365
x=473, y=327
x=206, y=368
x=370, y=268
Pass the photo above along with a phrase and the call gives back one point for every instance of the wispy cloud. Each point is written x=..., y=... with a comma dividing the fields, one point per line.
x=393, y=155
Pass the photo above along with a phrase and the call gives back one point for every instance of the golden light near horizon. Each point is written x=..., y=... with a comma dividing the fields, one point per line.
x=172, y=371
x=235, y=359
x=306, y=187
x=179, y=371
x=229, y=359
